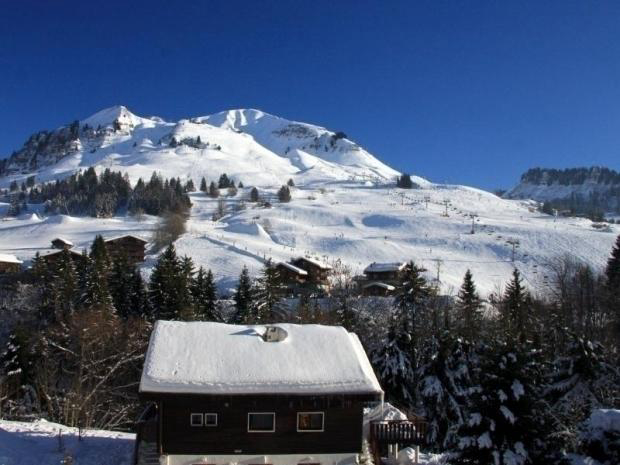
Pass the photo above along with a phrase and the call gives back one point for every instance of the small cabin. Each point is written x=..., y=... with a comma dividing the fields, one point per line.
x=62, y=243
x=280, y=394
x=9, y=264
x=318, y=272
x=391, y=273
x=378, y=289
x=132, y=247
x=290, y=277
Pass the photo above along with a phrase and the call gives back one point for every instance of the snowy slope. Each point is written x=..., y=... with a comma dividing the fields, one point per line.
x=343, y=207
x=357, y=225
x=37, y=443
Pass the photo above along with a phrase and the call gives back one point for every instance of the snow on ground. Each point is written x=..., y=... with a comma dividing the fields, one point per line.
x=356, y=224
x=38, y=443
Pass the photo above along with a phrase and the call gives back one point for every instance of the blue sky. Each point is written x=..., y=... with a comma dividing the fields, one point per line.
x=462, y=91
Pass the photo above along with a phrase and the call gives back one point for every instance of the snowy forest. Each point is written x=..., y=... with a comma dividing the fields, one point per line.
x=511, y=379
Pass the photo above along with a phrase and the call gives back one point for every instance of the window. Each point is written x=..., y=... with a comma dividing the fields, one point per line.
x=310, y=421
x=195, y=419
x=210, y=419
x=261, y=422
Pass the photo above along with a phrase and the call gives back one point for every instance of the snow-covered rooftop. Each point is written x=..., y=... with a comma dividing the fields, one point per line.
x=63, y=240
x=141, y=239
x=217, y=358
x=378, y=284
x=293, y=268
x=384, y=267
x=8, y=258
x=317, y=263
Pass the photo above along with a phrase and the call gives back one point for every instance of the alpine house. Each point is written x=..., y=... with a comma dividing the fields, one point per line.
x=275, y=394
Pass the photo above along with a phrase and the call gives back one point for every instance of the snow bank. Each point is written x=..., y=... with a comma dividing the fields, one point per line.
x=216, y=358
x=38, y=443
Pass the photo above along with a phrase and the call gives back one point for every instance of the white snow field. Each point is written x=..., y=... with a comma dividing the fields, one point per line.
x=38, y=443
x=342, y=208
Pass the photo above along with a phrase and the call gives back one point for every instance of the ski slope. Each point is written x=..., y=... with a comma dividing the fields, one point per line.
x=355, y=223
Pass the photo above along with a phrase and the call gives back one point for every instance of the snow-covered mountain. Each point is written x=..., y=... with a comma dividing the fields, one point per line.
x=344, y=207
x=248, y=145
x=544, y=185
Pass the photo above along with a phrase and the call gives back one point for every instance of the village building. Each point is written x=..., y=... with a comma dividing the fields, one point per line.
x=377, y=289
x=52, y=257
x=318, y=272
x=132, y=247
x=61, y=243
x=280, y=395
x=291, y=278
x=9, y=264
x=390, y=273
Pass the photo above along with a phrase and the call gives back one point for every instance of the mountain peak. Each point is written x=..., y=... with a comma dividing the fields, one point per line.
x=107, y=116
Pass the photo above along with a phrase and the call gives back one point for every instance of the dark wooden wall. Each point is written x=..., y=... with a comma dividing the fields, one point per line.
x=342, y=425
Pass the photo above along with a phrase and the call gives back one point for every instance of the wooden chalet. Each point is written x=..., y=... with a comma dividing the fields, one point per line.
x=9, y=264
x=133, y=247
x=53, y=256
x=291, y=278
x=61, y=243
x=279, y=395
x=391, y=273
x=318, y=272
x=377, y=289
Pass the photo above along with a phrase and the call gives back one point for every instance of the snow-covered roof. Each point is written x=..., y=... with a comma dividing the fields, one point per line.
x=47, y=253
x=377, y=284
x=126, y=235
x=384, y=267
x=317, y=263
x=8, y=258
x=217, y=358
x=293, y=268
x=63, y=240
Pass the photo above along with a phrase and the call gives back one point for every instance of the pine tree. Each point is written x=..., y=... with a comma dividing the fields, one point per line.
x=392, y=362
x=243, y=298
x=612, y=275
x=167, y=286
x=516, y=308
x=284, y=194
x=505, y=418
x=265, y=307
x=205, y=296
x=469, y=308
x=290, y=182
x=203, y=185
x=189, y=186
x=347, y=315
x=254, y=195
x=95, y=292
x=444, y=381
x=121, y=280
x=213, y=190
x=66, y=288
x=99, y=254
x=223, y=182
x=404, y=181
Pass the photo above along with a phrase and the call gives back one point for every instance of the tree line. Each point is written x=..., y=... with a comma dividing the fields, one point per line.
x=506, y=380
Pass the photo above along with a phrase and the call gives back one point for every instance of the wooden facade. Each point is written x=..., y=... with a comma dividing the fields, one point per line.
x=134, y=248
x=9, y=267
x=53, y=257
x=318, y=273
x=377, y=289
x=341, y=432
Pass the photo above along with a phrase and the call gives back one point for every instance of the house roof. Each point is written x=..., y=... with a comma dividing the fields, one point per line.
x=378, y=284
x=293, y=268
x=385, y=267
x=124, y=236
x=48, y=253
x=63, y=240
x=317, y=263
x=8, y=258
x=217, y=358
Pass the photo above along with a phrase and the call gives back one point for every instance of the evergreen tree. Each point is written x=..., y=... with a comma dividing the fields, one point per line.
x=612, y=275
x=189, y=186
x=66, y=289
x=167, y=286
x=516, y=308
x=392, y=362
x=213, y=190
x=205, y=296
x=505, y=419
x=240, y=185
x=95, y=293
x=469, y=308
x=347, y=315
x=254, y=195
x=284, y=194
x=404, y=181
x=99, y=254
x=290, y=182
x=243, y=298
x=444, y=382
x=265, y=306
x=224, y=182
x=203, y=185
x=121, y=280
